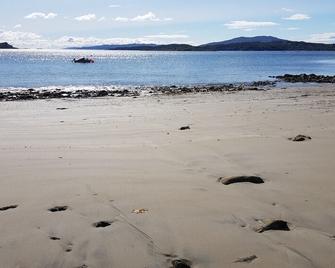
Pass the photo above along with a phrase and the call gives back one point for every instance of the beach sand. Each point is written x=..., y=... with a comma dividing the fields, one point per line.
x=103, y=158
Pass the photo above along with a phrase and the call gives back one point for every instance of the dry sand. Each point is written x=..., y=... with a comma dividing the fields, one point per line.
x=105, y=157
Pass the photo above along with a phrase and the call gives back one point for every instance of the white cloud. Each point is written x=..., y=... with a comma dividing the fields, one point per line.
x=33, y=40
x=17, y=26
x=298, y=16
x=72, y=41
x=287, y=9
x=293, y=28
x=322, y=38
x=146, y=17
x=168, y=36
x=121, y=19
x=88, y=17
x=114, y=6
x=249, y=25
x=102, y=19
x=150, y=16
x=23, y=39
x=41, y=15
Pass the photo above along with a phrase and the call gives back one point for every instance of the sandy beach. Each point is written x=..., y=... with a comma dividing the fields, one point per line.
x=114, y=182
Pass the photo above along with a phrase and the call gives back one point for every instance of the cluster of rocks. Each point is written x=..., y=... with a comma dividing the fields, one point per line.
x=177, y=90
x=306, y=78
x=32, y=94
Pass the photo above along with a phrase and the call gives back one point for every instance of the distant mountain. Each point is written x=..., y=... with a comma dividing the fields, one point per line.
x=257, y=43
x=239, y=40
x=5, y=45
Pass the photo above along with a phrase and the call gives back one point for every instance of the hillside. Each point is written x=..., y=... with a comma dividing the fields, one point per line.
x=257, y=43
x=5, y=45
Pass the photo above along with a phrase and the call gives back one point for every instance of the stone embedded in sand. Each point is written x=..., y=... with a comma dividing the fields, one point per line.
x=247, y=259
x=241, y=179
x=181, y=263
x=300, y=138
x=102, y=224
x=276, y=225
x=62, y=108
x=185, y=128
x=8, y=207
x=58, y=208
x=140, y=211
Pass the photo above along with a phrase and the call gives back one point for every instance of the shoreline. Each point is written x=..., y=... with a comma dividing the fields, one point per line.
x=130, y=91
x=137, y=91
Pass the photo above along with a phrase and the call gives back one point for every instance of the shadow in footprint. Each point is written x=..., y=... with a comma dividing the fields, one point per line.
x=300, y=138
x=69, y=247
x=276, y=225
x=181, y=263
x=185, y=128
x=8, y=207
x=246, y=259
x=241, y=179
x=102, y=224
x=54, y=238
x=58, y=208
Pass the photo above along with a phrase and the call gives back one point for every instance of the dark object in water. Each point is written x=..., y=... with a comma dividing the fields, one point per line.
x=61, y=108
x=276, y=225
x=181, y=263
x=58, y=208
x=240, y=179
x=8, y=207
x=102, y=224
x=300, y=138
x=247, y=259
x=185, y=128
x=83, y=60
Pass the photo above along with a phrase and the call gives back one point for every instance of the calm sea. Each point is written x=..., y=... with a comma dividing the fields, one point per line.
x=53, y=68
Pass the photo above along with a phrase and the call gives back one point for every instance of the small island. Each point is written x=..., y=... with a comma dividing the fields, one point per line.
x=5, y=45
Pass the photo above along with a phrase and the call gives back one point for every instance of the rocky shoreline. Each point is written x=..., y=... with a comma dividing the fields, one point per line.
x=58, y=93
x=35, y=94
x=306, y=78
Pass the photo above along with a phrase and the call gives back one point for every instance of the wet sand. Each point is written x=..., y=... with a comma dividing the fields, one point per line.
x=114, y=182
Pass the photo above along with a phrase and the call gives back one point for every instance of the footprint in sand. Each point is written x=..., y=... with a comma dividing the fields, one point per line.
x=102, y=224
x=300, y=138
x=58, y=208
x=8, y=207
x=181, y=263
x=240, y=179
x=246, y=259
x=275, y=225
x=55, y=238
x=69, y=247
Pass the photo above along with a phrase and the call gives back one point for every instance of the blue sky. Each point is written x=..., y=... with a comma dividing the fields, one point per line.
x=61, y=23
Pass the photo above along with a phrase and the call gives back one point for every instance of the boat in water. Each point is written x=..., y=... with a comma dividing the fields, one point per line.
x=83, y=60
